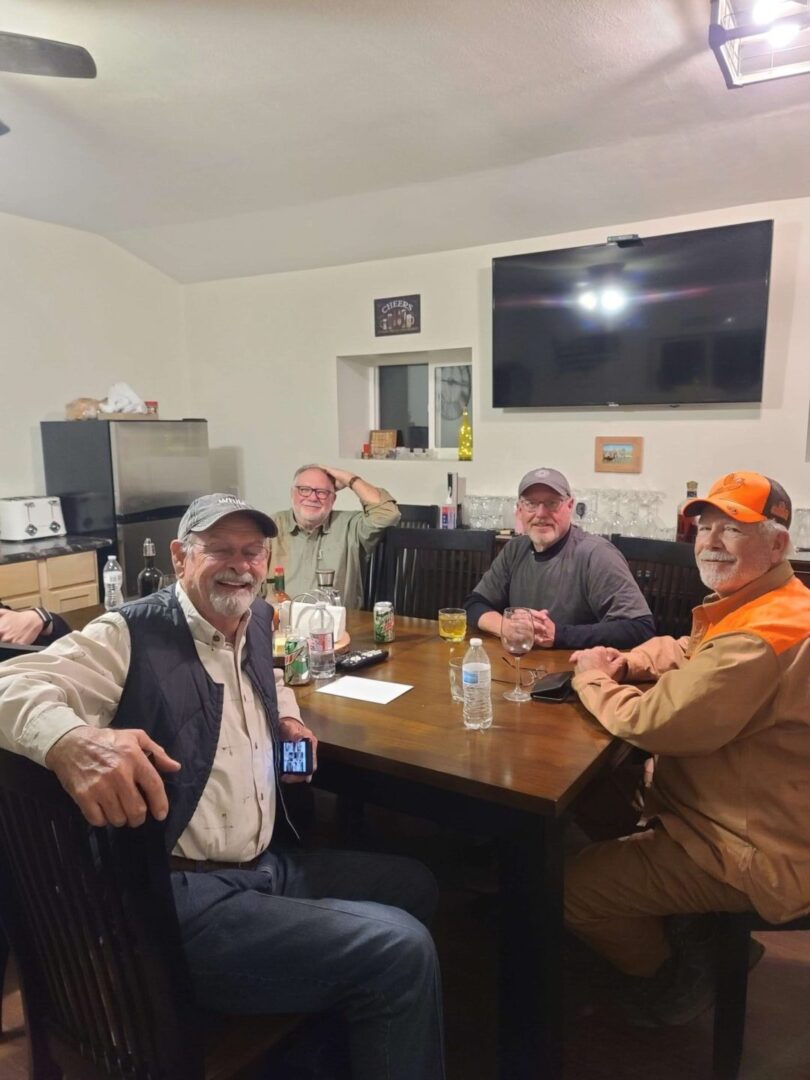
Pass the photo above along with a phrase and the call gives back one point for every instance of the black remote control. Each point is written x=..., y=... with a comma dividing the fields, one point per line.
x=353, y=661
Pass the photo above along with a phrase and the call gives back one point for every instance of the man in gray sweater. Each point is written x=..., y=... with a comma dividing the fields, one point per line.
x=578, y=586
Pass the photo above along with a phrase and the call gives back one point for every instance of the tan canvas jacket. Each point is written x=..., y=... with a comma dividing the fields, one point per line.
x=729, y=717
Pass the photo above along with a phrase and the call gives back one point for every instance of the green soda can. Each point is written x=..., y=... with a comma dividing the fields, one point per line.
x=296, y=660
x=384, y=621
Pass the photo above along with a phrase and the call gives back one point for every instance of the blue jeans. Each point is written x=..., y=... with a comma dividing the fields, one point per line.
x=327, y=930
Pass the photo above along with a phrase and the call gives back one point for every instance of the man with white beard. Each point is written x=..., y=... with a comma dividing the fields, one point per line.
x=170, y=706
x=728, y=719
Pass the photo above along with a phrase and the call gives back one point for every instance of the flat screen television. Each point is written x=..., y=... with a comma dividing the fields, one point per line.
x=663, y=320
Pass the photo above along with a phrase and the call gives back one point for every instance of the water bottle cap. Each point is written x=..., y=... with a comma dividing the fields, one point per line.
x=475, y=641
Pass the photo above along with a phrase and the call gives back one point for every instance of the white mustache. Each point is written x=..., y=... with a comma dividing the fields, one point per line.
x=716, y=557
x=229, y=578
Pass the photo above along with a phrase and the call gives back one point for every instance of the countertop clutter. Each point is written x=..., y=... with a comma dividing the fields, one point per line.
x=25, y=550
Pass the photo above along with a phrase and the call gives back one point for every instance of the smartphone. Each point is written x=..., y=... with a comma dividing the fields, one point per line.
x=296, y=757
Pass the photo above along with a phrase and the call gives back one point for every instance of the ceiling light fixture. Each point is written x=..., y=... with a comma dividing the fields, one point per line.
x=762, y=40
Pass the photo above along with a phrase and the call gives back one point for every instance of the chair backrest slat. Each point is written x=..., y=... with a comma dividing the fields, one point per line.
x=426, y=569
x=91, y=918
x=668, y=578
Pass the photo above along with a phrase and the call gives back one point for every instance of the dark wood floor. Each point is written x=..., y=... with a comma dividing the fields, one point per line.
x=599, y=1044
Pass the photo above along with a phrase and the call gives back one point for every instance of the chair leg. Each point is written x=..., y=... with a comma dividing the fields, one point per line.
x=4, y=952
x=731, y=992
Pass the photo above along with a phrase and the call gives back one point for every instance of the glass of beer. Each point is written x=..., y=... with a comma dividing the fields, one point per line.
x=452, y=623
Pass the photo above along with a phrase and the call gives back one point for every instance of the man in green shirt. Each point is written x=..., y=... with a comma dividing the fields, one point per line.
x=312, y=536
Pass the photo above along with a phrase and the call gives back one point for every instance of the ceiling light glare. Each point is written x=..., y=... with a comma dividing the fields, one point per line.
x=588, y=300
x=765, y=11
x=782, y=35
x=612, y=300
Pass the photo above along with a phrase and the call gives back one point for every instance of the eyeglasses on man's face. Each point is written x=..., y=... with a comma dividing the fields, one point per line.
x=253, y=553
x=552, y=505
x=321, y=494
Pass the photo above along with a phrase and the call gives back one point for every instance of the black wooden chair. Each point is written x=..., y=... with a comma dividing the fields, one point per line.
x=90, y=916
x=668, y=578
x=732, y=986
x=415, y=516
x=427, y=569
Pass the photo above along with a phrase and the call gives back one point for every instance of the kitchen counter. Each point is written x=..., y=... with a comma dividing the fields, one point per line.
x=13, y=551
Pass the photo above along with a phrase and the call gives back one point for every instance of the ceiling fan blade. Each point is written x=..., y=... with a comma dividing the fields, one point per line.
x=3, y=129
x=24, y=55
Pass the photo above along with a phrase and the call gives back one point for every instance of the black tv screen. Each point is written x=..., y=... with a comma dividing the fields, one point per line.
x=667, y=320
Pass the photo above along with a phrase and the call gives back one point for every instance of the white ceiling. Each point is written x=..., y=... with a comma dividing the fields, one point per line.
x=232, y=137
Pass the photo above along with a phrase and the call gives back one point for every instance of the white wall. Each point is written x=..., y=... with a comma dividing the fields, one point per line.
x=263, y=369
x=77, y=314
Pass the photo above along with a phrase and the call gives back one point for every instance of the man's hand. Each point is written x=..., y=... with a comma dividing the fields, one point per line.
x=340, y=476
x=112, y=774
x=19, y=627
x=601, y=658
x=544, y=629
x=292, y=730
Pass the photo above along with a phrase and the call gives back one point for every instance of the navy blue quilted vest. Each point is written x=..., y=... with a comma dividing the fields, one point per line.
x=169, y=694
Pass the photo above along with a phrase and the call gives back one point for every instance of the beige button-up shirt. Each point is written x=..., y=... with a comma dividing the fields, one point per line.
x=79, y=680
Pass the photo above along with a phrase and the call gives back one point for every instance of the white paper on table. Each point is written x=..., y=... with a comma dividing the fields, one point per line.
x=351, y=686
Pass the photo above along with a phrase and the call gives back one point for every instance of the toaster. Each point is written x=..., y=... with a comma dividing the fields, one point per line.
x=31, y=517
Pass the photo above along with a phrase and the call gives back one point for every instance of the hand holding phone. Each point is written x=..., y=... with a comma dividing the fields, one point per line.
x=296, y=758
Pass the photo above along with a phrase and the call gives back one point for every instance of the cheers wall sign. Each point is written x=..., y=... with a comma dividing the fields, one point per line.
x=397, y=315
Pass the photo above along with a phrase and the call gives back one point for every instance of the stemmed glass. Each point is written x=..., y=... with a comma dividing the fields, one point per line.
x=517, y=637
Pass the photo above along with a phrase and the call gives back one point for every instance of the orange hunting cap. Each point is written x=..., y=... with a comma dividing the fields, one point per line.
x=745, y=496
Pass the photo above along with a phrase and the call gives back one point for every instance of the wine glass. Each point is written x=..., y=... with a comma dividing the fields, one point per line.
x=517, y=637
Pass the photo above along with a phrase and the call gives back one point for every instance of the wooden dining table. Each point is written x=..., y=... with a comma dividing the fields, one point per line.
x=513, y=781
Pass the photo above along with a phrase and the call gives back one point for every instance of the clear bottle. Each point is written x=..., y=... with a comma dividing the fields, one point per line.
x=113, y=579
x=150, y=577
x=686, y=529
x=321, y=643
x=465, y=438
x=477, y=678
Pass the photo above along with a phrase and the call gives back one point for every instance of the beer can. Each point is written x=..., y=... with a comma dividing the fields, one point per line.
x=384, y=621
x=296, y=660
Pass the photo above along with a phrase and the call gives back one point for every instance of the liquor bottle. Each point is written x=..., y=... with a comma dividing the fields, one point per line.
x=113, y=579
x=150, y=577
x=465, y=438
x=278, y=597
x=686, y=530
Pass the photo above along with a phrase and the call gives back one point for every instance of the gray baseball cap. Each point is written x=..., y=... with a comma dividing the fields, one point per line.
x=209, y=509
x=550, y=477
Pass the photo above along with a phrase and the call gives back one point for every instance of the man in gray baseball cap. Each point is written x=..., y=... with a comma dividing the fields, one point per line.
x=171, y=706
x=577, y=586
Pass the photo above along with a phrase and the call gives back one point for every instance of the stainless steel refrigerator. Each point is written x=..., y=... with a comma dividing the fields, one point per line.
x=127, y=479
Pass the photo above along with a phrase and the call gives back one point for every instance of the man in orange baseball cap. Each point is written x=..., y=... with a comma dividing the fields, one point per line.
x=727, y=718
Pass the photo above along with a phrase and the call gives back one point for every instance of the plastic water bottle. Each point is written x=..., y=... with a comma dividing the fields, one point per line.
x=476, y=673
x=321, y=643
x=113, y=578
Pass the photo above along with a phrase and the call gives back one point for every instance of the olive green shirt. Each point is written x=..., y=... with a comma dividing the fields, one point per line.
x=341, y=544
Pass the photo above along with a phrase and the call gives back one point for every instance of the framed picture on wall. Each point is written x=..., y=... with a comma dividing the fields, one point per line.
x=397, y=315
x=618, y=453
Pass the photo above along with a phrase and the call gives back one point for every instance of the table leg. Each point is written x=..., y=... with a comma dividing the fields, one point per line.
x=530, y=978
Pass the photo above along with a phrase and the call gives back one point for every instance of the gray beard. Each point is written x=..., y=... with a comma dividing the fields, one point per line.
x=230, y=605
